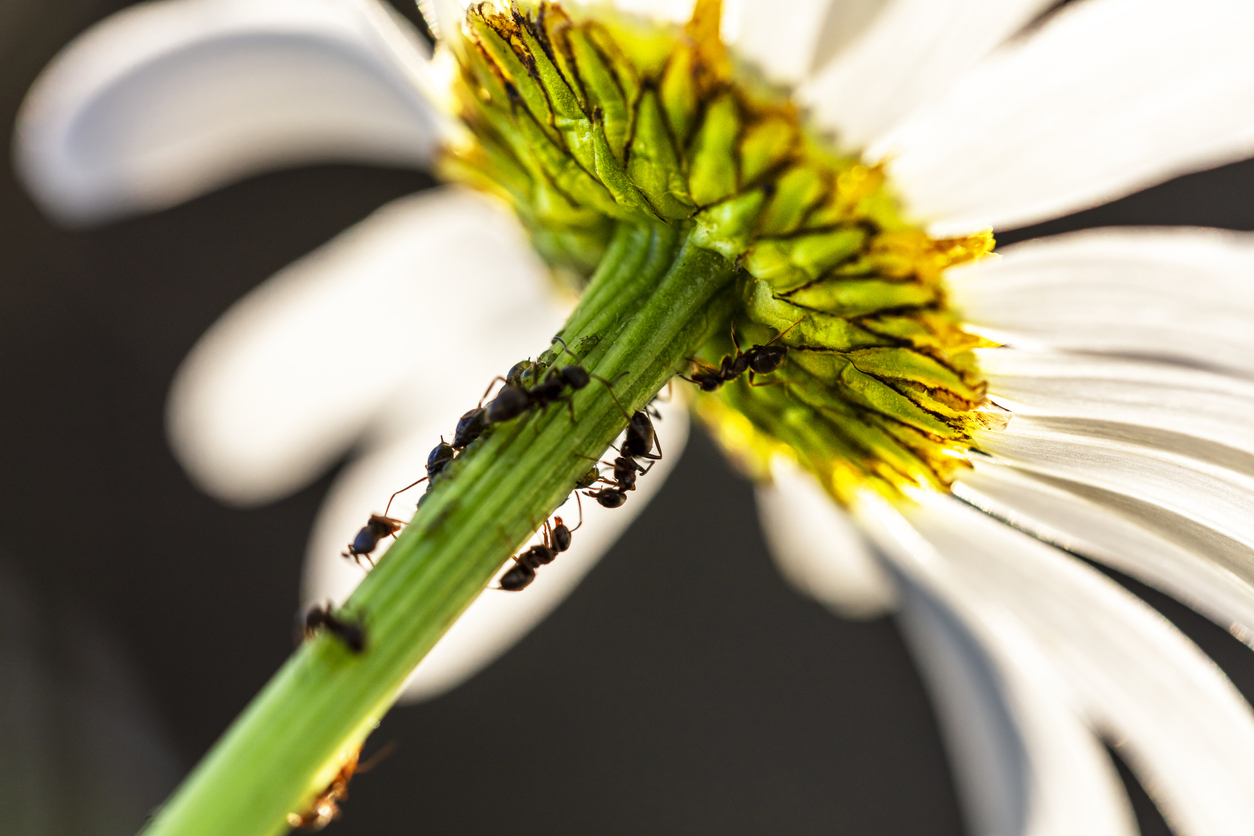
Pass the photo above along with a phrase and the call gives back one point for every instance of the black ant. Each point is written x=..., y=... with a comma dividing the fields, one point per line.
x=469, y=427
x=325, y=807
x=352, y=633
x=515, y=398
x=439, y=458
x=760, y=359
x=641, y=438
x=556, y=540
x=367, y=540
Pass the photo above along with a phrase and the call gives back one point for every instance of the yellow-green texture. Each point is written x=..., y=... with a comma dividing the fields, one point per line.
x=585, y=122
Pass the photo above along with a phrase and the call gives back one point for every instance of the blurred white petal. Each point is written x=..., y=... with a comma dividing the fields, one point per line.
x=817, y=548
x=1124, y=669
x=1108, y=97
x=1212, y=574
x=911, y=54
x=780, y=39
x=167, y=100
x=1212, y=487
x=845, y=23
x=298, y=369
x=1023, y=763
x=1182, y=294
x=496, y=620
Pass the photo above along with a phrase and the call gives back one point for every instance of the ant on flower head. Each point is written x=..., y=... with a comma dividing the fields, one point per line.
x=760, y=359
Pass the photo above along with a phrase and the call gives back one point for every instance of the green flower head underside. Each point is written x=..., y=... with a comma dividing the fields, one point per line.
x=584, y=122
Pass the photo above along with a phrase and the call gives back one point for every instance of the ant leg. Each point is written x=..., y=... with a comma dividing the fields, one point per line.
x=570, y=407
x=402, y=490
x=609, y=387
x=489, y=389
x=579, y=505
x=667, y=399
x=376, y=758
x=645, y=470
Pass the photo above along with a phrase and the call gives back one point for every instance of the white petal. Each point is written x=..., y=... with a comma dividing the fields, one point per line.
x=911, y=54
x=1179, y=722
x=297, y=370
x=1023, y=762
x=1108, y=97
x=1164, y=551
x=1184, y=295
x=496, y=620
x=817, y=548
x=1139, y=393
x=166, y=100
x=780, y=41
x=1208, y=485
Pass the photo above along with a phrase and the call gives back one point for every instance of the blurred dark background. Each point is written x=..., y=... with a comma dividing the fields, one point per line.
x=683, y=688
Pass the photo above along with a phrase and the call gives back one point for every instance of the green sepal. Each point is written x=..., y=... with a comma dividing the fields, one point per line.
x=712, y=160
x=726, y=227
x=789, y=263
x=858, y=297
x=603, y=90
x=655, y=164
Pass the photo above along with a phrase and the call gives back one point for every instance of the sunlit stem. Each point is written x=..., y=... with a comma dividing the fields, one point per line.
x=654, y=299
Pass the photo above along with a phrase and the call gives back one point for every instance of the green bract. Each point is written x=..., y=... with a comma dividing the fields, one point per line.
x=585, y=125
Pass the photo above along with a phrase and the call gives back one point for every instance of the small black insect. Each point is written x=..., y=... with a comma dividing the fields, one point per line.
x=516, y=398
x=641, y=438
x=321, y=616
x=608, y=497
x=760, y=359
x=556, y=540
x=367, y=540
x=439, y=458
x=469, y=427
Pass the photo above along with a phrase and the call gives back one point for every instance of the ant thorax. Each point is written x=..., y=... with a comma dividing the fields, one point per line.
x=841, y=324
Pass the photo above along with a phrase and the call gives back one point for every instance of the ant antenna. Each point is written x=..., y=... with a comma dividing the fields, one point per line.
x=781, y=333
x=579, y=505
x=565, y=348
x=407, y=487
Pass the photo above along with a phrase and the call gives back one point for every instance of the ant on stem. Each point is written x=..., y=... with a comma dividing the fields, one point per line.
x=322, y=616
x=557, y=539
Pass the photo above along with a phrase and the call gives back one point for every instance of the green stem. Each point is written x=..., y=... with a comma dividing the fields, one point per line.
x=653, y=301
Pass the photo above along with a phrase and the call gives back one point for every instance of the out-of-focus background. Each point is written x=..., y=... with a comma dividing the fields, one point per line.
x=684, y=688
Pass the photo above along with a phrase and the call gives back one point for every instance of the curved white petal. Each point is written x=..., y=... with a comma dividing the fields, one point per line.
x=1208, y=485
x=1178, y=294
x=1168, y=552
x=911, y=54
x=297, y=370
x=781, y=42
x=1024, y=763
x=1129, y=673
x=167, y=100
x=1121, y=390
x=496, y=620
x=1108, y=97
x=817, y=548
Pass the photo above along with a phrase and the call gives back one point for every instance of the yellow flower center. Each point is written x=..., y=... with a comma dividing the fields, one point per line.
x=586, y=122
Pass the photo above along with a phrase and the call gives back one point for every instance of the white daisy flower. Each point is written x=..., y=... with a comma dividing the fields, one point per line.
x=1118, y=362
